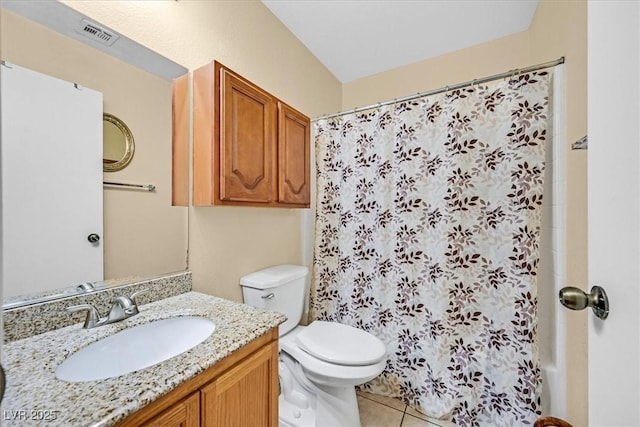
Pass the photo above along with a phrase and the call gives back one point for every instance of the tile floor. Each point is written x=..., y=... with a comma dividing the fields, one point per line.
x=382, y=411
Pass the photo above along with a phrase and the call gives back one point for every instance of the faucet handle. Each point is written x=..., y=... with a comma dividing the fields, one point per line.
x=137, y=294
x=122, y=308
x=93, y=316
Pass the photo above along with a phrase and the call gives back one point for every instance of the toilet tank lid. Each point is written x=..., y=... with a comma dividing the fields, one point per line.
x=273, y=276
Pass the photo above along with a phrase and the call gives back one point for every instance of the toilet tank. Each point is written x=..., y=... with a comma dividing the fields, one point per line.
x=280, y=288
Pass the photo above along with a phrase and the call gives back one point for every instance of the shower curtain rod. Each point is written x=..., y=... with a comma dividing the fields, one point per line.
x=510, y=73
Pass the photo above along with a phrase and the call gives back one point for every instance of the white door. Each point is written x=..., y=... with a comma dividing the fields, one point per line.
x=51, y=151
x=614, y=210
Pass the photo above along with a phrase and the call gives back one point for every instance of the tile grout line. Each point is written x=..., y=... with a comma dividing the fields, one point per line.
x=387, y=406
x=406, y=407
x=404, y=412
x=384, y=404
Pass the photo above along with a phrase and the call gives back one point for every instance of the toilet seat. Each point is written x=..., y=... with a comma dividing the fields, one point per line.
x=341, y=344
x=327, y=373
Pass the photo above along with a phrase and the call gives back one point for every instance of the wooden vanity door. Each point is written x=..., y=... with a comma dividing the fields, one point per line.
x=246, y=395
x=182, y=414
x=247, y=141
x=293, y=156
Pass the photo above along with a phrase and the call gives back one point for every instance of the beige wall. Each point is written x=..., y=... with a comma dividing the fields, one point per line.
x=559, y=28
x=228, y=242
x=143, y=234
x=459, y=66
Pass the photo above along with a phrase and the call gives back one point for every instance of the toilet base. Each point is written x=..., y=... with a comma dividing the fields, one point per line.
x=337, y=406
x=293, y=416
x=305, y=404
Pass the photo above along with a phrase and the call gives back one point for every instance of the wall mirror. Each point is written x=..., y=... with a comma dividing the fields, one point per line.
x=41, y=36
x=118, y=143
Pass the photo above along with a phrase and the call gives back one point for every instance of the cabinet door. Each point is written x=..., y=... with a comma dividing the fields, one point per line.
x=247, y=141
x=182, y=414
x=293, y=156
x=246, y=395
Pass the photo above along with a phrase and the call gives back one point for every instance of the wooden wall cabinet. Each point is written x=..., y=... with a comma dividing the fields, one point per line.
x=240, y=390
x=249, y=148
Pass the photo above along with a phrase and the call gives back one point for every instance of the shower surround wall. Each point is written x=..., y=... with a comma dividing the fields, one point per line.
x=552, y=268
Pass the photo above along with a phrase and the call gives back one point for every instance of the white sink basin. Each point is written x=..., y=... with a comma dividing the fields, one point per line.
x=135, y=348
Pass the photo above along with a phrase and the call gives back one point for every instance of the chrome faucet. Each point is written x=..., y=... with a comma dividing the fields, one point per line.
x=123, y=308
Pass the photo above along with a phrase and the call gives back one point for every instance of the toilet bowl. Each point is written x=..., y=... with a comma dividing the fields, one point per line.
x=320, y=364
x=339, y=363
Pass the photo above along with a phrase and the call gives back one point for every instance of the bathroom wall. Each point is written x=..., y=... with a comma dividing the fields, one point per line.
x=227, y=242
x=559, y=28
x=143, y=235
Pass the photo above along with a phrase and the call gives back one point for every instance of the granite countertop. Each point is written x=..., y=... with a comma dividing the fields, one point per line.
x=34, y=396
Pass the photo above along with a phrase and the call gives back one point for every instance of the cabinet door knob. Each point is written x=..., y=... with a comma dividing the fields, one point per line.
x=93, y=238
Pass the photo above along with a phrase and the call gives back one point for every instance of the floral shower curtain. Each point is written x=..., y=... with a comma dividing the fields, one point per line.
x=427, y=234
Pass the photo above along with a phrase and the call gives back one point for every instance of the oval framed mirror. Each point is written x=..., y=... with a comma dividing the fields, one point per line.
x=118, y=143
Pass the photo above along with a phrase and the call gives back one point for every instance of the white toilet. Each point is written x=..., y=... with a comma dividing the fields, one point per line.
x=320, y=364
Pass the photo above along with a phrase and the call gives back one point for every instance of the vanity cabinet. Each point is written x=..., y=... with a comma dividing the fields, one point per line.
x=182, y=414
x=239, y=397
x=240, y=390
x=250, y=148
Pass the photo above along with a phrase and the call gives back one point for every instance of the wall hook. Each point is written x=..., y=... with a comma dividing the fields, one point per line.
x=581, y=144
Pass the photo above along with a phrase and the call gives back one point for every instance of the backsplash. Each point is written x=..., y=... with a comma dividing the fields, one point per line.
x=23, y=322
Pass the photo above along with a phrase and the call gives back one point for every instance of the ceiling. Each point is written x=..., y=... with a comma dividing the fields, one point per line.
x=358, y=38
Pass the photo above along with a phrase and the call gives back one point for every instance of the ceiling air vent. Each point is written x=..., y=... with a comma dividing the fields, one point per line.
x=97, y=33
